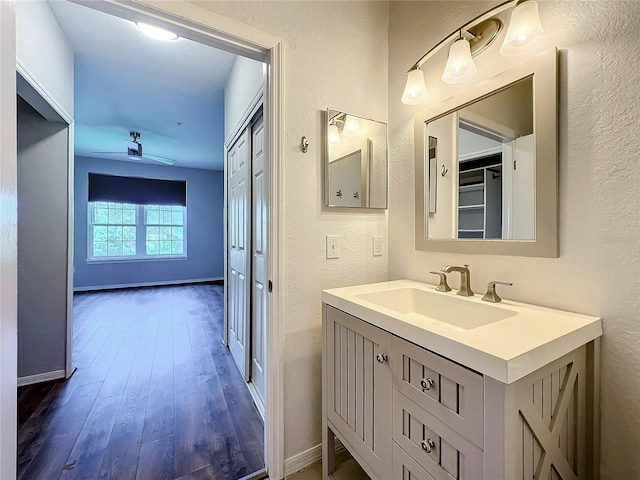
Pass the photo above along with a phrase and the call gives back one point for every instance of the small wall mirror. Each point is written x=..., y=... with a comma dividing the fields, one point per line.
x=356, y=165
x=486, y=166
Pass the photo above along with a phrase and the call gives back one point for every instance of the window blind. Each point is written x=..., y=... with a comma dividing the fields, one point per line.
x=137, y=190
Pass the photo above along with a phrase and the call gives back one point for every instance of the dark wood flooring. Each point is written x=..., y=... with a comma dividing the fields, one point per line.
x=156, y=395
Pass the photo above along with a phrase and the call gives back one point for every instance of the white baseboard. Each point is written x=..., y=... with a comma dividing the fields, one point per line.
x=304, y=459
x=146, y=284
x=41, y=377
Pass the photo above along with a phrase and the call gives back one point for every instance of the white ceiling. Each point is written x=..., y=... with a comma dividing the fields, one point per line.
x=126, y=81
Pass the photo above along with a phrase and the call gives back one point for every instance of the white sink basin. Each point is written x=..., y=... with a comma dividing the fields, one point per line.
x=438, y=306
x=505, y=341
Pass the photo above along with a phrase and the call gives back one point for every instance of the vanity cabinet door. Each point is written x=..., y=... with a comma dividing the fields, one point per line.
x=359, y=389
x=441, y=451
x=447, y=390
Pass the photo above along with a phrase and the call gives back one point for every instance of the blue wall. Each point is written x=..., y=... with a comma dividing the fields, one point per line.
x=205, y=235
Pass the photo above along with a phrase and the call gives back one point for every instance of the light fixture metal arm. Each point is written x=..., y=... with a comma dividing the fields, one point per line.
x=456, y=33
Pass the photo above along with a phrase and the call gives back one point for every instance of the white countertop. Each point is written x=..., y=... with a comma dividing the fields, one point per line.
x=506, y=350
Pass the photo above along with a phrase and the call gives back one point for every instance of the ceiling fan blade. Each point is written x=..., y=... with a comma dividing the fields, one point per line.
x=166, y=161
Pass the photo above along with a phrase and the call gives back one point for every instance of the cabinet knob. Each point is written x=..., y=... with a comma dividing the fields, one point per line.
x=381, y=357
x=428, y=445
x=426, y=383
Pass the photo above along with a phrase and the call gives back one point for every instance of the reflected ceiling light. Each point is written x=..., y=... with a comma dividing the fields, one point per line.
x=351, y=126
x=333, y=134
x=156, y=33
x=415, y=91
x=525, y=33
x=460, y=66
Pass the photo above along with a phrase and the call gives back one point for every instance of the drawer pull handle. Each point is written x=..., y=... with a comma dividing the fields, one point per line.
x=428, y=445
x=381, y=357
x=426, y=383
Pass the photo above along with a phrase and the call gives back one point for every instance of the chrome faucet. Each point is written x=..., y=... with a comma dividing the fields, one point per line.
x=465, y=279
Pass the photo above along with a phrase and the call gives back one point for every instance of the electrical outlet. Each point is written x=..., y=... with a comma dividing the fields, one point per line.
x=377, y=246
x=333, y=246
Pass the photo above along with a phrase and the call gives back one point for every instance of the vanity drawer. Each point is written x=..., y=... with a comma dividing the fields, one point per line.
x=441, y=451
x=449, y=391
x=406, y=468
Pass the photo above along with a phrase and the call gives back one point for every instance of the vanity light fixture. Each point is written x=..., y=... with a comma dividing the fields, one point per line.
x=156, y=33
x=460, y=66
x=524, y=35
x=333, y=134
x=351, y=126
x=415, y=92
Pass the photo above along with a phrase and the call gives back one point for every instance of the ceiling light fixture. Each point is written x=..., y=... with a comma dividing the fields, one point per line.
x=156, y=33
x=524, y=35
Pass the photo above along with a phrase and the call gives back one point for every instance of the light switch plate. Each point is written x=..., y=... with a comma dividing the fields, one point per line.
x=333, y=246
x=377, y=246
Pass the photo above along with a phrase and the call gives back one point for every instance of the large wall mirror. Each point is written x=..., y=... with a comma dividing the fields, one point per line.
x=486, y=166
x=356, y=161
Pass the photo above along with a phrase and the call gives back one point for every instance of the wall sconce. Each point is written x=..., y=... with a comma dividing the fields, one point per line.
x=524, y=35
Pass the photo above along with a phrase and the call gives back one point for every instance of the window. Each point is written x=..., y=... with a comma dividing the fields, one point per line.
x=164, y=230
x=120, y=231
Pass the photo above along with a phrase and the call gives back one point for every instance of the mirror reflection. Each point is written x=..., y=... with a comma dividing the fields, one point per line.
x=481, y=168
x=356, y=161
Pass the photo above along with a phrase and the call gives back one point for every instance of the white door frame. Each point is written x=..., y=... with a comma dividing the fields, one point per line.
x=210, y=28
x=8, y=242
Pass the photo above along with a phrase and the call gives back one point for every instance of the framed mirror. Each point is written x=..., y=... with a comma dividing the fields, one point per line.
x=356, y=163
x=486, y=166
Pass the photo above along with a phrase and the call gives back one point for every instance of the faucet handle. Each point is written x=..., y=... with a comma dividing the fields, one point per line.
x=443, y=286
x=491, y=295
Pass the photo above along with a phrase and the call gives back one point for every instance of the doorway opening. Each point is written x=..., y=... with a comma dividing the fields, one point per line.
x=152, y=294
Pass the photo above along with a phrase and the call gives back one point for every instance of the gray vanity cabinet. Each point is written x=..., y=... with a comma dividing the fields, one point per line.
x=404, y=412
x=358, y=388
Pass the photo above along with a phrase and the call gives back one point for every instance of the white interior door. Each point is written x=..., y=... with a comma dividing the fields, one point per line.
x=239, y=230
x=259, y=248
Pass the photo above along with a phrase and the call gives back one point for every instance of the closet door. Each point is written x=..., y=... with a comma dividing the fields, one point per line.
x=258, y=251
x=239, y=261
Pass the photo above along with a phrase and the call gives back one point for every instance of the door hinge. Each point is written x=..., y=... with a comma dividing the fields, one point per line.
x=270, y=286
x=514, y=164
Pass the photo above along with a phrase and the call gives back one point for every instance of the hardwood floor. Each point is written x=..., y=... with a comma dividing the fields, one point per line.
x=156, y=395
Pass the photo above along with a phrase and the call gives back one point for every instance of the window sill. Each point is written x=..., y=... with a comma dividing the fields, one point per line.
x=159, y=258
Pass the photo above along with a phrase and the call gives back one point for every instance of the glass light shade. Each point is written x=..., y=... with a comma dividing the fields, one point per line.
x=156, y=33
x=525, y=33
x=460, y=66
x=351, y=126
x=333, y=135
x=415, y=91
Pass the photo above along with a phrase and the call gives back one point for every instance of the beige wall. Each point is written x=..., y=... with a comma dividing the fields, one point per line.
x=598, y=271
x=335, y=56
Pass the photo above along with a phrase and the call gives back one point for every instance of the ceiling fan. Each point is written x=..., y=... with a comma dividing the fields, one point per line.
x=134, y=151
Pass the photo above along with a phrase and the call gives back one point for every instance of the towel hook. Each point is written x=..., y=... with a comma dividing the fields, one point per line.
x=304, y=145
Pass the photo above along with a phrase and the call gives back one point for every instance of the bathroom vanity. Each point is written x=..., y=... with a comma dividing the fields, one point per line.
x=419, y=384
